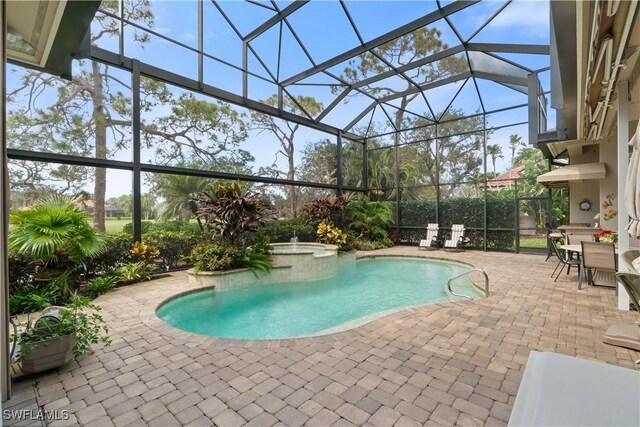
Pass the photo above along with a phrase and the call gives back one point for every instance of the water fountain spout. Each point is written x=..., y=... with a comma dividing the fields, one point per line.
x=294, y=240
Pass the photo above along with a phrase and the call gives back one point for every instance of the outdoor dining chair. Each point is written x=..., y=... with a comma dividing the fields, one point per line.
x=599, y=263
x=564, y=260
x=551, y=234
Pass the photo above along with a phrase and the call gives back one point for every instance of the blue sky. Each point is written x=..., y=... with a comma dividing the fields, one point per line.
x=325, y=31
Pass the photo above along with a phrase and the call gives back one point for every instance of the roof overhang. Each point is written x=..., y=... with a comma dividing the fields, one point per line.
x=561, y=177
x=44, y=34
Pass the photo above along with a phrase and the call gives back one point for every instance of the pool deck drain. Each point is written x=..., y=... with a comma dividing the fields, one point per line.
x=440, y=364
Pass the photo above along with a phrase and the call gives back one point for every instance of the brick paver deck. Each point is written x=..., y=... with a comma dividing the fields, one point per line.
x=443, y=364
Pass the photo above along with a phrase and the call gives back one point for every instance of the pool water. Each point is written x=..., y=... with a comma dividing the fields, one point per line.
x=355, y=295
x=278, y=249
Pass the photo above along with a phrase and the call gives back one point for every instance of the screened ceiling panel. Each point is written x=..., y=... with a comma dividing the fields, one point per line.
x=357, y=60
x=325, y=18
x=396, y=14
x=266, y=47
x=245, y=16
x=473, y=18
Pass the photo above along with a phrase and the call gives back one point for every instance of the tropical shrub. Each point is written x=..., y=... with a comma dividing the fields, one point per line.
x=218, y=257
x=145, y=226
x=101, y=285
x=174, y=246
x=35, y=296
x=330, y=208
x=54, y=232
x=230, y=213
x=116, y=252
x=329, y=233
x=144, y=252
x=371, y=220
x=133, y=272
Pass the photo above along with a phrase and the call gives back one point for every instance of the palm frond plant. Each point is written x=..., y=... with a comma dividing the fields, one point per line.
x=57, y=236
x=371, y=219
x=55, y=232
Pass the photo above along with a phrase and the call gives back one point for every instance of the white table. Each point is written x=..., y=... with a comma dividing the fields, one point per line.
x=558, y=390
x=578, y=249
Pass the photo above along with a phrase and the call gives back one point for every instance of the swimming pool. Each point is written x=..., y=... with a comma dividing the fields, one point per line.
x=355, y=295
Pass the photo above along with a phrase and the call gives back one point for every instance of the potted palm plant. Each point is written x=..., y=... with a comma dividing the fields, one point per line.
x=60, y=335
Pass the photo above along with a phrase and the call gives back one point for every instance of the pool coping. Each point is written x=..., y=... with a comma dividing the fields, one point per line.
x=149, y=317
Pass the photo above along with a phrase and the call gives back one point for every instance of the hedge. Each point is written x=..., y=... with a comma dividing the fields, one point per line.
x=501, y=220
x=281, y=230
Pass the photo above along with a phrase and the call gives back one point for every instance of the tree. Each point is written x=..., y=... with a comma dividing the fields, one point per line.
x=515, y=141
x=402, y=51
x=285, y=132
x=495, y=152
x=458, y=155
x=89, y=112
x=91, y=116
x=196, y=131
x=176, y=191
x=124, y=201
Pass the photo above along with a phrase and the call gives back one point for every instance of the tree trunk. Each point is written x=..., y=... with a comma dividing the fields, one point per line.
x=293, y=192
x=100, y=184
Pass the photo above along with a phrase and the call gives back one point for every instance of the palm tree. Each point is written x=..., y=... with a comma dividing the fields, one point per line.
x=495, y=152
x=177, y=191
x=514, y=142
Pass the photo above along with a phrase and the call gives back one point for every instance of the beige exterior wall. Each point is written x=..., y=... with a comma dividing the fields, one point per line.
x=584, y=190
x=609, y=185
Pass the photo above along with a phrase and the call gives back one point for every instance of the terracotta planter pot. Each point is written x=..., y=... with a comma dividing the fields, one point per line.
x=49, y=354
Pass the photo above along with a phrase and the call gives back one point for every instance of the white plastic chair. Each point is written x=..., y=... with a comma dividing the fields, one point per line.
x=457, y=237
x=432, y=236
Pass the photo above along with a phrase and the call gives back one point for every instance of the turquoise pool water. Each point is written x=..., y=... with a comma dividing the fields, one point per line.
x=357, y=294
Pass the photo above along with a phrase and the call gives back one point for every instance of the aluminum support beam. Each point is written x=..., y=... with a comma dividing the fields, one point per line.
x=111, y=58
x=146, y=167
x=531, y=49
x=339, y=163
x=533, y=106
x=136, y=179
x=427, y=86
x=410, y=66
x=385, y=38
x=264, y=27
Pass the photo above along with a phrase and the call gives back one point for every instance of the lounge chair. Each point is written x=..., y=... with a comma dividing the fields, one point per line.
x=457, y=238
x=431, y=239
x=627, y=336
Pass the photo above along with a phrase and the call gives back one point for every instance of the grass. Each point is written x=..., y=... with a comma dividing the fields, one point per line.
x=533, y=242
x=114, y=225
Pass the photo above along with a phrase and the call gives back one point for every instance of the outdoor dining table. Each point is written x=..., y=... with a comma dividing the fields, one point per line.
x=578, y=249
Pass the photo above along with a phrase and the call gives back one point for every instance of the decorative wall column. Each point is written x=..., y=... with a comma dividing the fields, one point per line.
x=623, y=167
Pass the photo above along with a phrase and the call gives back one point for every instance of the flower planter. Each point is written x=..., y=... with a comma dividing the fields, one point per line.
x=48, y=354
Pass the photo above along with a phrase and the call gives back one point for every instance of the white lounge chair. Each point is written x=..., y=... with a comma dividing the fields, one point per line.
x=457, y=238
x=432, y=236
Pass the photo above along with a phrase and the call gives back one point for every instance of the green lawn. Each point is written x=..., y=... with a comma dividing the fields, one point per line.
x=533, y=242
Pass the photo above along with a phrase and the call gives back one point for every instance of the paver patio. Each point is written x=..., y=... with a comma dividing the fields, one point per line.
x=443, y=364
